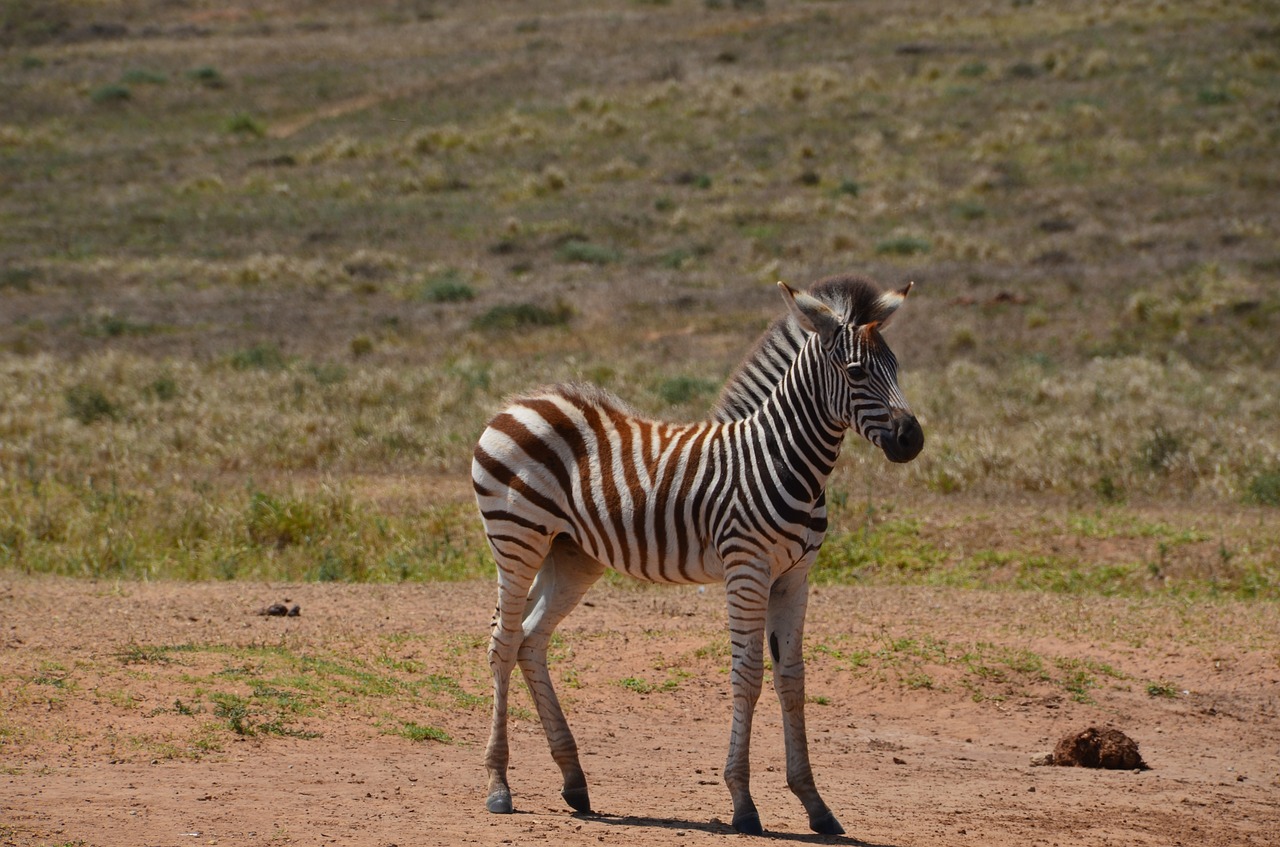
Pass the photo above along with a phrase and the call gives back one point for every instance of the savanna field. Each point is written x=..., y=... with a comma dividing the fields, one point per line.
x=267, y=269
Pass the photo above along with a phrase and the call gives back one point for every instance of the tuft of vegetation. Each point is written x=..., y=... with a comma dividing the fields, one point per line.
x=517, y=316
x=208, y=76
x=446, y=287
x=576, y=250
x=88, y=404
x=680, y=390
x=903, y=245
x=418, y=732
x=242, y=123
x=264, y=356
x=1264, y=489
x=111, y=93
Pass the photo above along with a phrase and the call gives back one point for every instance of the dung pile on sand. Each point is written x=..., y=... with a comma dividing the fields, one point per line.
x=1095, y=748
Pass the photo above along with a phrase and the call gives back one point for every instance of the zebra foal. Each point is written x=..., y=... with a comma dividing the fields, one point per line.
x=569, y=481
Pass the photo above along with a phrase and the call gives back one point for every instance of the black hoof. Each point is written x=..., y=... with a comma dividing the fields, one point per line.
x=499, y=802
x=577, y=798
x=748, y=823
x=827, y=825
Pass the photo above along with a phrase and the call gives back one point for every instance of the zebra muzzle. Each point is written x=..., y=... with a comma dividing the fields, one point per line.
x=905, y=441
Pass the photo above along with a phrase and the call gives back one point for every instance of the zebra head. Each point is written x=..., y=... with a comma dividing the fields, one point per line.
x=866, y=394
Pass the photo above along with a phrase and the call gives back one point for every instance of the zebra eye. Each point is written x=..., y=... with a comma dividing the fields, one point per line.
x=856, y=371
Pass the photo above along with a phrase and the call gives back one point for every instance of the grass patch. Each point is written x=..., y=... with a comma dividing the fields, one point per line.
x=586, y=252
x=89, y=404
x=517, y=316
x=418, y=732
x=446, y=287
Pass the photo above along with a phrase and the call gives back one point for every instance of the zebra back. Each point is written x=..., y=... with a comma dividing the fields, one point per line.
x=849, y=296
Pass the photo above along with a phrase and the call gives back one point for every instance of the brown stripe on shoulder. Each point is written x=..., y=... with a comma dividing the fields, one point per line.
x=568, y=431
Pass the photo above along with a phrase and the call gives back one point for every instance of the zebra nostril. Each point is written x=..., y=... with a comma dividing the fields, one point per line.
x=910, y=435
x=908, y=440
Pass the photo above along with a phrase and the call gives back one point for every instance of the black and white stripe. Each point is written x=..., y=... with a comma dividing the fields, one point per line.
x=568, y=480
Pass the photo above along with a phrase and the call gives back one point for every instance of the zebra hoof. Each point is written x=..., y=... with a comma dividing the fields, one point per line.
x=748, y=823
x=827, y=825
x=577, y=799
x=499, y=802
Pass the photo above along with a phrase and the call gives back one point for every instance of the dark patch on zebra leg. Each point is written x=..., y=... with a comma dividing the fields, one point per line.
x=827, y=825
x=499, y=802
x=577, y=798
x=773, y=645
x=748, y=822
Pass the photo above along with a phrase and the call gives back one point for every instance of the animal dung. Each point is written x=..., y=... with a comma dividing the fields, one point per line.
x=1095, y=748
x=281, y=610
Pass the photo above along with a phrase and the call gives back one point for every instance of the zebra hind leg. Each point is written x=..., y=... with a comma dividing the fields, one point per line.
x=565, y=577
x=518, y=565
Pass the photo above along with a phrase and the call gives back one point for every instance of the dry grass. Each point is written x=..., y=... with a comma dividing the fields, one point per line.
x=300, y=252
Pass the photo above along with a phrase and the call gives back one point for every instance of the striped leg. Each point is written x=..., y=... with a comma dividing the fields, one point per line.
x=565, y=577
x=518, y=563
x=788, y=600
x=746, y=589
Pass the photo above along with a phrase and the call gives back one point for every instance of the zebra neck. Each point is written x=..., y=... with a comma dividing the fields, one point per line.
x=799, y=431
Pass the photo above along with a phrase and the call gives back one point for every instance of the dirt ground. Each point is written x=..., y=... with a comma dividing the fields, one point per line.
x=910, y=746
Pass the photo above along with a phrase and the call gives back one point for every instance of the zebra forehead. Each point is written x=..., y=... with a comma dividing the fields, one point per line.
x=856, y=299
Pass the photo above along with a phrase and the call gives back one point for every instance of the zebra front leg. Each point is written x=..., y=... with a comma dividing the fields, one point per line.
x=746, y=590
x=516, y=571
x=788, y=599
x=565, y=577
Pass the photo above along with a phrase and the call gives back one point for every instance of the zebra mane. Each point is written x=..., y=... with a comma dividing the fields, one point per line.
x=854, y=299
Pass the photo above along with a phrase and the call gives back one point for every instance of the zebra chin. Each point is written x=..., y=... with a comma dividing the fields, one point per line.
x=904, y=442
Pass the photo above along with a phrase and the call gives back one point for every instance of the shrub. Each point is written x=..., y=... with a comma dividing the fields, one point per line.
x=266, y=357
x=163, y=388
x=1264, y=489
x=88, y=404
x=113, y=93
x=17, y=278
x=1156, y=454
x=208, y=76
x=903, y=245
x=522, y=315
x=584, y=251
x=143, y=76
x=684, y=389
x=446, y=287
x=245, y=124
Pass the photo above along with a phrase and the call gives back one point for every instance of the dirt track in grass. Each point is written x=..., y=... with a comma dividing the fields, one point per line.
x=926, y=708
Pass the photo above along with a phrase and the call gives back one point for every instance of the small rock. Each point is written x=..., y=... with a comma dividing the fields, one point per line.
x=1040, y=760
x=275, y=610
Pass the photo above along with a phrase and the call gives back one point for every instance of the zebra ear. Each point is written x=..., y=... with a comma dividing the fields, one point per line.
x=889, y=303
x=812, y=314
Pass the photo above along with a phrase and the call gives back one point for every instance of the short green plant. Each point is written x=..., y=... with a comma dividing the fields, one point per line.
x=112, y=93
x=576, y=250
x=418, y=732
x=903, y=245
x=243, y=123
x=88, y=404
x=143, y=76
x=522, y=316
x=446, y=287
x=208, y=76
x=679, y=390
x=263, y=356
x=1264, y=489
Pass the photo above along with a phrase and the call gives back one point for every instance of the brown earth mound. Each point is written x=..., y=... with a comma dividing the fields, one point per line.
x=1098, y=748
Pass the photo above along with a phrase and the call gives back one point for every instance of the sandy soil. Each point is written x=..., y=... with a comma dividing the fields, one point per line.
x=911, y=746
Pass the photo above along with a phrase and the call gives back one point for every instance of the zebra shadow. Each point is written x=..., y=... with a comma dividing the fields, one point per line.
x=718, y=827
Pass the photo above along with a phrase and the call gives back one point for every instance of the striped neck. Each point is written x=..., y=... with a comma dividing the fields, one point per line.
x=798, y=424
